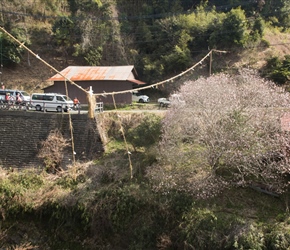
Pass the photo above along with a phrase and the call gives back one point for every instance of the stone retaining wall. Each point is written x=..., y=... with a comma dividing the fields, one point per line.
x=22, y=132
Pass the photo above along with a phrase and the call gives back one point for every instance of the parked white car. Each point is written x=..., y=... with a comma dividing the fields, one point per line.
x=137, y=97
x=163, y=102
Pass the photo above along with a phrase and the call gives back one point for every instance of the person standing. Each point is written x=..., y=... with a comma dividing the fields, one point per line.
x=18, y=98
x=76, y=103
x=7, y=97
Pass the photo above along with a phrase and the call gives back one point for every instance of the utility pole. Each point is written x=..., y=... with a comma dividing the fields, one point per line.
x=210, y=63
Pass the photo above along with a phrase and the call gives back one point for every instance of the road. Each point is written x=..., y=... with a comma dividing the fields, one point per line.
x=122, y=111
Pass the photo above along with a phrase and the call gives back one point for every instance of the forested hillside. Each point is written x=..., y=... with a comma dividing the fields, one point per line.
x=210, y=172
x=161, y=38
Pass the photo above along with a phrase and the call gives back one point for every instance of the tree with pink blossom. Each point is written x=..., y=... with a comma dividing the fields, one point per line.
x=224, y=131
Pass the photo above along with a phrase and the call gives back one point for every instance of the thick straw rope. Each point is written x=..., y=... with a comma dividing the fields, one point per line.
x=71, y=130
x=117, y=92
x=125, y=140
x=90, y=95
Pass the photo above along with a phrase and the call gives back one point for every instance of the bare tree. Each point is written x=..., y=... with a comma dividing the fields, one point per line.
x=52, y=151
x=225, y=132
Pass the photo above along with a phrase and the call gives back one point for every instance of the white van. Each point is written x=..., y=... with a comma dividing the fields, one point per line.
x=23, y=95
x=51, y=102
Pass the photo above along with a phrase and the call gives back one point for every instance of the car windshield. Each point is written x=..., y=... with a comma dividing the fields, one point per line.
x=24, y=93
x=66, y=98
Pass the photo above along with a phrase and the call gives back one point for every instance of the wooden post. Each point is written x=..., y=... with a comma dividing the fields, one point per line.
x=210, y=63
x=91, y=103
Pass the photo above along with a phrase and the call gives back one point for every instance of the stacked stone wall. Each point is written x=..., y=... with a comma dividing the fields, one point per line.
x=21, y=134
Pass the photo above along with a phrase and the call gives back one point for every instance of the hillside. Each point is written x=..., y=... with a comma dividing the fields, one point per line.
x=186, y=178
x=279, y=46
x=31, y=74
x=159, y=38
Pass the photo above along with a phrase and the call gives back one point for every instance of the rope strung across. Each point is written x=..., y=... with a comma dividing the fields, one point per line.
x=90, y=95
x=164, y=81
x=117, y=92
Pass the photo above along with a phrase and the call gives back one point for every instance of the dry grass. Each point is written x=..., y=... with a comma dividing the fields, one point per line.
x=52, y=150
x=256, y=58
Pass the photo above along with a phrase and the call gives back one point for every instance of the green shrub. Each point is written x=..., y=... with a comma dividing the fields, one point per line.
x=15, y=192
x=277, y=69
x=199, y=227
x=27, y=180
x=147, y=133
x=11, y=196
x=251, y=237
x=70, y=182
x=278, y=240
x=278, y=235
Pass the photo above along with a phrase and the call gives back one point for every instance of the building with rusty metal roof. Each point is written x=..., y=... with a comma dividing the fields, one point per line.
x=102, y=79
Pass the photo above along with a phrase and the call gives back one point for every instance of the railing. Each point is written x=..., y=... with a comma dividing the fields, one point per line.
x=13, y=105
x=99, y=107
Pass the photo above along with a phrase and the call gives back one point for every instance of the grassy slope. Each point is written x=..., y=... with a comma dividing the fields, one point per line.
x=96, y=204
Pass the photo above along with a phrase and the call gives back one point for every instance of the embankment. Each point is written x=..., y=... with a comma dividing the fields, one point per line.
x=21, y=134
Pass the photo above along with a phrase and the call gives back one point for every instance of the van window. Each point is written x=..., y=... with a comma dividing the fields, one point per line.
x=42, y=97
x=67, y=98
x=59, y=98
x=48, y=97
x=36, y=97
x=22, y=93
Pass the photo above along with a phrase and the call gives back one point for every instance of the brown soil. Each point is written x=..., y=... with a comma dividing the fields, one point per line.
x=279, y=46
x=32, y=74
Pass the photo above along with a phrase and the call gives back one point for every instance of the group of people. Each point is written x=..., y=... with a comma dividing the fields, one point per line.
x=12, y=99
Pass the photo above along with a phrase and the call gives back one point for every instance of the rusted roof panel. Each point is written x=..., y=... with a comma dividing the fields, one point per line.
x=90, y=73
x=136, y=81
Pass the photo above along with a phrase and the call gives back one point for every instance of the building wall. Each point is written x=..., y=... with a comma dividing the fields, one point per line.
x=98, y=87
x=22, y=133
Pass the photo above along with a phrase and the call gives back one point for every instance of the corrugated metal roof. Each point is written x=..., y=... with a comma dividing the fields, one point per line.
x=136, y=81
x=89, y=73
